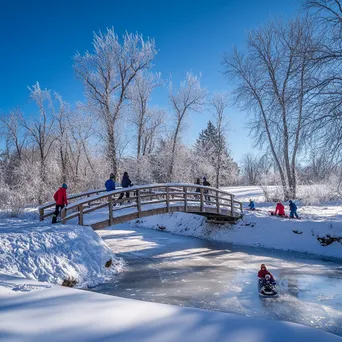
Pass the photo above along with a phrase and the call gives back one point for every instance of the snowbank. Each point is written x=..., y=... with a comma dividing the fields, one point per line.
x=257, y=229
x=53, y=253
x=35, y=312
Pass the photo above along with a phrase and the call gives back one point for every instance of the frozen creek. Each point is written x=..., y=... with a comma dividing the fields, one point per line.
x=186, y=271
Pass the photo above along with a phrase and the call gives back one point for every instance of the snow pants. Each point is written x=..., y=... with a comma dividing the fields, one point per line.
x=57, y=212
x=293, y=213
x=122, y=195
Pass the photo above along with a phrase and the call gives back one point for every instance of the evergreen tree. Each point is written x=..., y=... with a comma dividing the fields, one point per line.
x=211, y=148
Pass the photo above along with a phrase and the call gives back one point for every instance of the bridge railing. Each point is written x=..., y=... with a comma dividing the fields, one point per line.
x=47, y=209
x=169, y=196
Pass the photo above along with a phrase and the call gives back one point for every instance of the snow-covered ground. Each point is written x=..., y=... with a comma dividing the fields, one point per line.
x=31, y=311
x=37, y=312
x=54, y=253
x=259, y=229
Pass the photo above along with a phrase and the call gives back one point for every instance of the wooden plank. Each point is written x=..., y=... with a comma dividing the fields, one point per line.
x=71, y=216
x=217, y=203
x=41, y=214
x=132, y=216
x=185, y=189
x=232, y=206
x=167, y=200
x=80, y=216
x=100, y=225
x=202, y=200
x=99, y=206
x=63, y=214
x=48, y=214
x=139, y=203
x=110, y=210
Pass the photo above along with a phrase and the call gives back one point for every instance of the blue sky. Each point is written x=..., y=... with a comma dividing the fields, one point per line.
x=39, y=38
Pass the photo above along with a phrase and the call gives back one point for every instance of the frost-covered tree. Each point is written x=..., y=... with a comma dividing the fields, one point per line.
x=144, y=119
x=326, y=113
x=139, y=93
x=190, y=97
x=276, y=81
x=107, y=73
x=13, y=132
x=40, y=128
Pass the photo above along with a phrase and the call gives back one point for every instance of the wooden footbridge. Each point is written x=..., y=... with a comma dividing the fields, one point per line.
x=99, y=208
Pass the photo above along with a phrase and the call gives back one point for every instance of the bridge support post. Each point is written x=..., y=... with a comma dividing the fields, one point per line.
x=185, y=190
x=202, y=201
x=110, y=211
x=232, y=205
x=139, y=203
x=63, y=215
x=217, y=202
x=80, y=215
x=167, y=199
x=41, y=214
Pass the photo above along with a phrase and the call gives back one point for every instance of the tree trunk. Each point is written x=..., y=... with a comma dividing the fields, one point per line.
x=174, y=144
x=111, y=152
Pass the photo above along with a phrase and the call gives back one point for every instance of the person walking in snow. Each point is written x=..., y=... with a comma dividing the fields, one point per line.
x=251, y=205
x=110, y=183
x=61, y=199
x=280, y=210
x=125, y=183
x=293, y=210
x=206, y=183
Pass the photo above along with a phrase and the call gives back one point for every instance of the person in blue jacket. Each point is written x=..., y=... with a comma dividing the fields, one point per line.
x=110, y=183
x=125, y=183
x=293, y=210
x=251, y=205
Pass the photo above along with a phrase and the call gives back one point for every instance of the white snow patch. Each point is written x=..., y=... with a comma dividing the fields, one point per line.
x=53, y=253
x=57, y=314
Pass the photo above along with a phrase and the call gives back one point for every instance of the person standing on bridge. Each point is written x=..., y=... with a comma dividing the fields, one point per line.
x=125, y=183
x=61, y=199
x=198, y=182
x=110, y=183
x=206, y=183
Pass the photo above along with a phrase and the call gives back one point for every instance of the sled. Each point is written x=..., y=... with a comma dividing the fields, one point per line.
x=267, y=289
x=277, y=215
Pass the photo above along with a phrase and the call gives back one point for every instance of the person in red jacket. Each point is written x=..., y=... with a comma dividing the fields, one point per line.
x=61, y=199
x=263, y=271
x=280, y=210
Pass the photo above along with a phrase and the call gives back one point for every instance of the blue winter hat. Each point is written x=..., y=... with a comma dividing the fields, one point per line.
x=64, y=186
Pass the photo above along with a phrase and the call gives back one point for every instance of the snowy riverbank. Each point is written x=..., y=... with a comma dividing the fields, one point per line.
x=259, y=229
x=54, y=253
x=37, y=312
